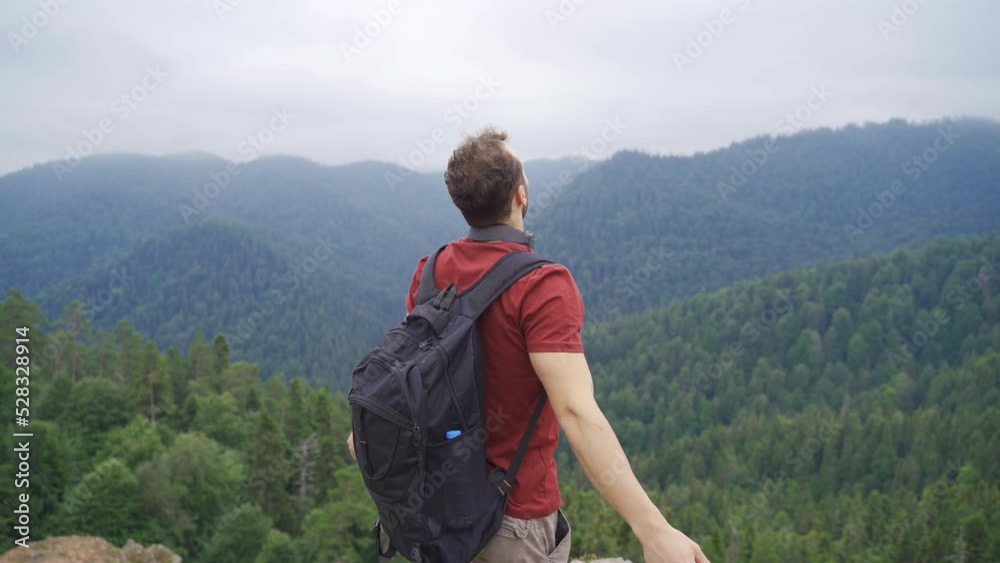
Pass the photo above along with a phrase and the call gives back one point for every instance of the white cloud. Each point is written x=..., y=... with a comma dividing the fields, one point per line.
x=607, y=59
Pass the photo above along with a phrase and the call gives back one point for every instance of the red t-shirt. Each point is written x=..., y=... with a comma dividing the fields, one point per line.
x=541, y=312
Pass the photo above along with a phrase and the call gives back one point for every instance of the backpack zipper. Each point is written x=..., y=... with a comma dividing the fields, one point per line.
x=381, y=409
x=401, y=379
x=443, y=355
x=390, y=414
x=405, y=334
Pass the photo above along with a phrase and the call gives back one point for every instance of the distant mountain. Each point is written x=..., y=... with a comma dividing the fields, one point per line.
x=641, y=230
x=300, y=314
x=106, y=204
x=636, y=230
x=847, y=412
x=148, y=215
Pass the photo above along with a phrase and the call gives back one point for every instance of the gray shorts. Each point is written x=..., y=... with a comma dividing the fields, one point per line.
x=543, y=539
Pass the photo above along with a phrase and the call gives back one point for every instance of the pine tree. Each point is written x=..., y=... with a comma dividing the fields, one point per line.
x=273, y=397
x=220, y=354
x=200, y=358
x=270, y=469
x=975, y=536
x=296, y=422
x=150, y=392
x=329, y=448
x=130, y=353
x=77, y=327
x=177, y=375
x=105, y=353
x=305, y=475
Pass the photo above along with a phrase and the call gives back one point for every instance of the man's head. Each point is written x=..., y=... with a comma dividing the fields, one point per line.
x=486, y=180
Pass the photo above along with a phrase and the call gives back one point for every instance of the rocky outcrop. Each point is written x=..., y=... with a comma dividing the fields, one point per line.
x=85, y=549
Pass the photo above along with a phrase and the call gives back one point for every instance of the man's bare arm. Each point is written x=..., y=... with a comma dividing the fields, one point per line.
x=570, y=387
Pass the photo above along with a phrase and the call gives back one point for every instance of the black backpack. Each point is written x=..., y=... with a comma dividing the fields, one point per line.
x=420, y=426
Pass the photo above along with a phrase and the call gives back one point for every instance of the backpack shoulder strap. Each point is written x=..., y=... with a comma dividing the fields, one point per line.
x=515, y=463
x=427, y=287
x=497, y=279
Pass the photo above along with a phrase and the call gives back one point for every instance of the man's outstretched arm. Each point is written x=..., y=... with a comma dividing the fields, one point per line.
x=568, y=383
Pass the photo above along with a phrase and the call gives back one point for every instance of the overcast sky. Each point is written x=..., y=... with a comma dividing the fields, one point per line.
x=679, y=76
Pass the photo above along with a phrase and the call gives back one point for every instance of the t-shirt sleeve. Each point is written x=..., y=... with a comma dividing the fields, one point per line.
x=411, y=297
x=552, y=311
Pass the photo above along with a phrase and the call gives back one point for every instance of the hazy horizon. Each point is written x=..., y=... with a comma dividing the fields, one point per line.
x=397, y=82
x=439, y=169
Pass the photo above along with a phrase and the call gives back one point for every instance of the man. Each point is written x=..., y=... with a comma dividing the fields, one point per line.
x=531, y=340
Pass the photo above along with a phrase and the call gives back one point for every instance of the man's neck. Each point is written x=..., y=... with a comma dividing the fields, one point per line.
x=515, y=221
x=501, y=231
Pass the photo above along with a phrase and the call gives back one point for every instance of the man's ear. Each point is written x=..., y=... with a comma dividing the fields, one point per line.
x=521, y=195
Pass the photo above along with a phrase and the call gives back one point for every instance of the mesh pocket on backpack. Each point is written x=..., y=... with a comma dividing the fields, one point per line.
x=457, y=468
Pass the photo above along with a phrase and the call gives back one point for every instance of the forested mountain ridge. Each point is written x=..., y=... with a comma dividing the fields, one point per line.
x=803, y=416
x=641, y=230
x=109, y=203
x=288, y=311
x=827, y=439
x=636, y=230
x=384, y=218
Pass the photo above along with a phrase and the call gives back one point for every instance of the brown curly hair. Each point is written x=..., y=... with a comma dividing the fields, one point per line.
x=482, y=175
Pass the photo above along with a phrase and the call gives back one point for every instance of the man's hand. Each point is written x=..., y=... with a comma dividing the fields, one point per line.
x=568, y=383
x=350, y=446
x=670, y=545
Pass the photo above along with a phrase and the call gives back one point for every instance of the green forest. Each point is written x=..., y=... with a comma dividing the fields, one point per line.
x=847, y=412
x=333, y=247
